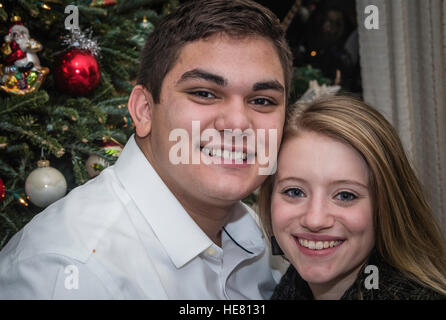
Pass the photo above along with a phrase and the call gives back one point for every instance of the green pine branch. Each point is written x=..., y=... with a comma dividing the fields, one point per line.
x=36, y=138
x=29, y=101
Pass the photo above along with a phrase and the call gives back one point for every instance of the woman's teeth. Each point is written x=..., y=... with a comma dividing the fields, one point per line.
x=225, y=154
x=318, y=245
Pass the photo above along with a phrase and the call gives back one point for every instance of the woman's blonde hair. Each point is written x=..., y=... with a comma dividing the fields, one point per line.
x=406, y=232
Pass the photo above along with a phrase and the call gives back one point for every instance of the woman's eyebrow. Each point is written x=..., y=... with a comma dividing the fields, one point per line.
x=290, y=179
x=203, y=75
x=351, y=182
x=336, y=182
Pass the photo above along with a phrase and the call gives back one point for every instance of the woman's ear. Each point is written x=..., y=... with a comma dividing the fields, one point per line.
x=140, y=108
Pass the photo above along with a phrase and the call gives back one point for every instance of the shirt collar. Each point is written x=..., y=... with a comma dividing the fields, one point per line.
x=170, y=222
x=244, y=230
x=181, y=237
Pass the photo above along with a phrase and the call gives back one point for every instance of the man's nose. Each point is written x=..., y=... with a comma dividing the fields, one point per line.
x=233, y=115
x=317, y=214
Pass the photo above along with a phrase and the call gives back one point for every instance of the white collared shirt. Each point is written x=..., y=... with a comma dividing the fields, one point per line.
x=124, y=235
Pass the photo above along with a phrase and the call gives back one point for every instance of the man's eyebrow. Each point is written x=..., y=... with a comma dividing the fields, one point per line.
x=268, y=85
x=203, y=75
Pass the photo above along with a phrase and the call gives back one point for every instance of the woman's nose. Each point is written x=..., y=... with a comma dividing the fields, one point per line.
x=317, y=215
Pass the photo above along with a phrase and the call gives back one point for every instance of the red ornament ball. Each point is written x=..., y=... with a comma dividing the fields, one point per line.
x=2, y=190
x=77, y=72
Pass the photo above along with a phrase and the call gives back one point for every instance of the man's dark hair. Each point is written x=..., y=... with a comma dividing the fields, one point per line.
x=200, y=19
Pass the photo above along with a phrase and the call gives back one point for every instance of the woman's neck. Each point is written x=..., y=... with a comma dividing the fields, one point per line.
x=336, y=288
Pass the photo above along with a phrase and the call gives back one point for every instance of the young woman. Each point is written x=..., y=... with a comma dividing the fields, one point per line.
x=347, y=210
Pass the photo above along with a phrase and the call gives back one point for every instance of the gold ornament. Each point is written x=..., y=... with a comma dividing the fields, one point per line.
x=6, y=49
x=16, y=19
x=3, y=142
x=11, y=82
x=43, y=163
x=102, y=3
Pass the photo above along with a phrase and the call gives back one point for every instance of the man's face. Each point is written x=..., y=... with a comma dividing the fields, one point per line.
x=224, y=84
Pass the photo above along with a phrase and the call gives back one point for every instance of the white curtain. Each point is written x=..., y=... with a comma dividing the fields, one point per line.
x=403, y=68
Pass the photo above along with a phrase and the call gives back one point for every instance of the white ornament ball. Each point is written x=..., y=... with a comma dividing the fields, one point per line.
x=96, y=164
x=45, y=185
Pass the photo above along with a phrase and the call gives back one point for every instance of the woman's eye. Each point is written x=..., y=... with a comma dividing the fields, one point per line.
x=262, y=102
x=345, y=196
x=294, y=193
x=202, y=94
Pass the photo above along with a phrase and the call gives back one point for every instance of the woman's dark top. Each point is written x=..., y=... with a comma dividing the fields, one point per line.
x=393, y=285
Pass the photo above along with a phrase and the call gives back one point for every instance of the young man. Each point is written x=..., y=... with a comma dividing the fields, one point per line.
x=152, y=227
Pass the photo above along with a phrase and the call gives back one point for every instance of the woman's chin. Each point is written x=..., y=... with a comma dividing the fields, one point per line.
x=318, y=276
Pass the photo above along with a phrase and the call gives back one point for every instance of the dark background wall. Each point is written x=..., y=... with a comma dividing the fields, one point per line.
x=323, y=34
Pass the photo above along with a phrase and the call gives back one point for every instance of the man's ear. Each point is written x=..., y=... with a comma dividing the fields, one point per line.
x=140, y=108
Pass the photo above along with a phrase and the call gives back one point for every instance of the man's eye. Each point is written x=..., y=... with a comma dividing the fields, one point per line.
x=202, y=94
x=263, y=102
x=345, y=196
x=294, y=193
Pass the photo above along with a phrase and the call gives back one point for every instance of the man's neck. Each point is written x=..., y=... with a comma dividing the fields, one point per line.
x=210, y=217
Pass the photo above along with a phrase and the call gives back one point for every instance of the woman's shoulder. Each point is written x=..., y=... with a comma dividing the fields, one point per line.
x=391, y=284
x=406, y=289
x=292, y=287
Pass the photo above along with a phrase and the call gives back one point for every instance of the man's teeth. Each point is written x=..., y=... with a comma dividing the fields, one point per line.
x=318, y=245
x=225, y=154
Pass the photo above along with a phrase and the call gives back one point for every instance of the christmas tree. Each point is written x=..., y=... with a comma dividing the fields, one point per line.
x=70, y=121
x=45, y=112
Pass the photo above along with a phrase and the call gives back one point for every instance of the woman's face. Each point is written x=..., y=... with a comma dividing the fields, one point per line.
x=321, y=208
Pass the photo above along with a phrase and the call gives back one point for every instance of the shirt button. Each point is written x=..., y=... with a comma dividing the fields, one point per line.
x=211, y=251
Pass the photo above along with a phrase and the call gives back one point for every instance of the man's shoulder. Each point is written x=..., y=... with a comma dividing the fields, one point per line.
x=73, y=225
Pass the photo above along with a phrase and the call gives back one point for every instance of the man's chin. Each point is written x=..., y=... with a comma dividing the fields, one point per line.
x=225, y=194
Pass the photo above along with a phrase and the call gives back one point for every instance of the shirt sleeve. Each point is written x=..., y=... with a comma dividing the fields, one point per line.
x=49, y=276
